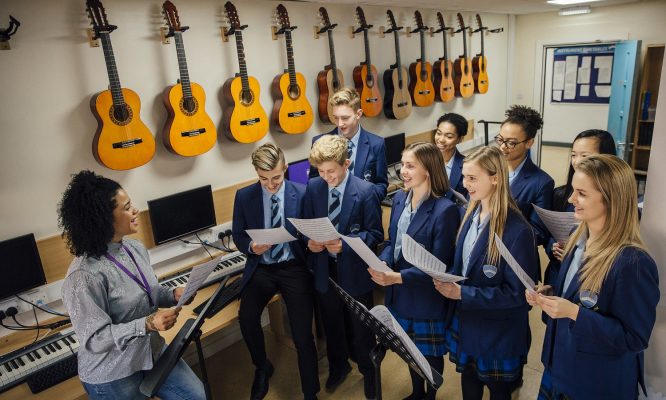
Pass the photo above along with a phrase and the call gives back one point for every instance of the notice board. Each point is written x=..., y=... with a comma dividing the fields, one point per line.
x=582, y=74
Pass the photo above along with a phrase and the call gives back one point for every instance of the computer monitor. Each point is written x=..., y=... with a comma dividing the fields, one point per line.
x=298, y=171
x=181, y=214
x=20, y=266
x=394, y=146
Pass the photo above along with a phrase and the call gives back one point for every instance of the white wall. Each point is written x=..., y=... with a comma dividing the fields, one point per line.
x=48, y=77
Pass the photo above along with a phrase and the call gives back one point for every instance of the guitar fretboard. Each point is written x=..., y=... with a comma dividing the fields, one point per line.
x=182, y=65
x=368, y=63
x=331, y=48
x=290, y=58
x=398, y=64
x=241, y=60
x=112, y=70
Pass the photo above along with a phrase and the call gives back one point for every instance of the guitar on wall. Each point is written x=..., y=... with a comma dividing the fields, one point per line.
x=463, y=81
x=444, y=90
x=292, y=112
x=365, y=75
x=122, y=140
x=245, y=120
x=330, y=79
x=397, y=101
x=420, y=72
x=188, y=131
x=480, y=62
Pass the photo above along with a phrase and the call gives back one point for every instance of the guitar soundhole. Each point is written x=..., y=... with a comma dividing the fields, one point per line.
x=246, y=97
x=120, y=115
x=189, y=106
x=294, y=92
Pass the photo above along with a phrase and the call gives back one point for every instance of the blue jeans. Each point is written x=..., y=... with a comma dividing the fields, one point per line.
x=181, y=384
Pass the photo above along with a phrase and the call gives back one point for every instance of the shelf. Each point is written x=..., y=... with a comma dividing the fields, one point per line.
x=640, y=172
x=642, y=147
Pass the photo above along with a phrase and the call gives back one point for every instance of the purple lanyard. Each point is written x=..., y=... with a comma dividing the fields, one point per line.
x=144, y=286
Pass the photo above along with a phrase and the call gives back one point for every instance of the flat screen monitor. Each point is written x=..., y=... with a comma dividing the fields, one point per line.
x=20, y=266
x=298, y=171
x=182, y=214
x=394, y=146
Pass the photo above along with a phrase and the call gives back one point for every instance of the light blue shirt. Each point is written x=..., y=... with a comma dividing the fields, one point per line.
x=404, y=221
x=266, y=198
x=515, y=172
x=354, y=140
x=475, y=229
x=449, y=166
x=576, y=263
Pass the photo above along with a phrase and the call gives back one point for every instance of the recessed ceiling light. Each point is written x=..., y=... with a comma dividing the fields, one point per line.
x=575, y=10
x=569, y=2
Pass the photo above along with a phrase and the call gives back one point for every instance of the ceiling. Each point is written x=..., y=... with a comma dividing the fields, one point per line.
x=486, y=6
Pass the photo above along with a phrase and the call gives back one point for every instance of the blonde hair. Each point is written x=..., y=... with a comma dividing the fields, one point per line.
x=267, y=157
x=493, y=162
x=328, y=148
x=614, y=179
x=346, y=97
x=429, y=156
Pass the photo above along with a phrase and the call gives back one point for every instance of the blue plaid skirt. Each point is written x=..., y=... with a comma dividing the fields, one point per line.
x=488, y=369
x=427, y=334
x=546, y=390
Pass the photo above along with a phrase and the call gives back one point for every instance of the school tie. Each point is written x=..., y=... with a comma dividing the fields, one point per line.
x=350, y=155
x=276, y=221
x=334, y=205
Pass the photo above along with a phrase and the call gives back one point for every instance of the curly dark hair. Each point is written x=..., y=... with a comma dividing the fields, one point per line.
x=528, y=118
x=456, y=120
x=85, y=213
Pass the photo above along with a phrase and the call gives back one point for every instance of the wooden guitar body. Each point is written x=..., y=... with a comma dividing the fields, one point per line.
x=480, y=74
x=463, y=81
x=421, y=88
x=122, y=140
x=327, y=87
x=245, y=120
x=292, y=112
x=371, y=98
x=444, y=90
x=397, y=101
x=188, y=131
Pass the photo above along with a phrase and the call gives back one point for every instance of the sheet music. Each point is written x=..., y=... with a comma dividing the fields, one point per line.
x=197, y=277
x=318, y=229
x=513, y=264
x=368, y=256
x=559, y=223
x=384, y=316
x=416, y=255
x=459, y=197
x=270, y=236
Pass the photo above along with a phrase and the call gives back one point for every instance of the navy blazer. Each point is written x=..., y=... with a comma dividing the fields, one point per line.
x=249, y=214
x=370, y=160
x=434, y=226
x=360, y=216
x=493, y=312
x=456, y=178
x=600, y=355
x=533, y=185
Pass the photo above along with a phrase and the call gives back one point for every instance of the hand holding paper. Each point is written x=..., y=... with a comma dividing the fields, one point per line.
x=416, y=255
x=513, y=264
x=270, y=236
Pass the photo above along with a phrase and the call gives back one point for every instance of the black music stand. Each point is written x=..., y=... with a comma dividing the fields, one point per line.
x=386, y=339
x=190, y=331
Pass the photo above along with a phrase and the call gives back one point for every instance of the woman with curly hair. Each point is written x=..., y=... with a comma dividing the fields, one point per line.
x=113, y=297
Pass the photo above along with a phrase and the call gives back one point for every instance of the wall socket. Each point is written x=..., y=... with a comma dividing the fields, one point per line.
x=11, y=302
x=33, y=296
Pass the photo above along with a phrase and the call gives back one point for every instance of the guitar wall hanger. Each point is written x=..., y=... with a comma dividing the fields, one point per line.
x=383, y=31
x=93, y=35
x=449, y=31
x=5, y=34
x=275, y=31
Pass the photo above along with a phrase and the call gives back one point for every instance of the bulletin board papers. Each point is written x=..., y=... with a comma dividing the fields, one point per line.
x=582, y=74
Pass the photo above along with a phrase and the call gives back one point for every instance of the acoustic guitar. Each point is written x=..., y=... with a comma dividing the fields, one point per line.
x=245, y=120
x=463, y=80
x=480, y=62
x=330, y=79
x=365, y=75
x=397, y=101
x=443, y=68
x=188, y=131
x=421, y=88
x=122, y=140
x=292, y=112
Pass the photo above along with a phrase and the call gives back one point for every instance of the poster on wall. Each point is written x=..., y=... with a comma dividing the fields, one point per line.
x=582, y=74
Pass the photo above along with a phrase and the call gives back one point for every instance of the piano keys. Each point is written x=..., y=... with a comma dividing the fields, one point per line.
x=231, y=264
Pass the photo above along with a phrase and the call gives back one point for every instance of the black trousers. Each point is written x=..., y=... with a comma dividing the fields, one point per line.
x=472, y=387
x=333, y=313
x=294, y=282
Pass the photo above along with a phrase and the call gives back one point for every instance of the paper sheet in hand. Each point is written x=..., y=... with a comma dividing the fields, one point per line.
x=559, y=223
x=197, y=277
x=459, y=197
x=416, y=255
x=358, y=245
x=318, y=229
x=384, y=316
x=270, y=236
x=513, y=264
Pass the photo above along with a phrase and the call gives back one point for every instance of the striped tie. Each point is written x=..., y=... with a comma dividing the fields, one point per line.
x=277, y=251
x=350, y=154
x=334, y=207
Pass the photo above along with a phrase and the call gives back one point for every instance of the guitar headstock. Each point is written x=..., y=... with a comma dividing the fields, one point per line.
x=232, y=16
x=479, y=23
x=461, y=23
x=97, y=16
x=283, y=18
x=325, y=21
x=360, y=18
x=391, y=22
x=419, y=22
x=171, y=17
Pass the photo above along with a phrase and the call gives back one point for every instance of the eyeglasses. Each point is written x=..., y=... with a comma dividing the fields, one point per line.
x=508, y=143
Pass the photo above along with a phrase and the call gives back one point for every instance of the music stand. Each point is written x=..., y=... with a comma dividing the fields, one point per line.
x=386, y=339
x=190, y=331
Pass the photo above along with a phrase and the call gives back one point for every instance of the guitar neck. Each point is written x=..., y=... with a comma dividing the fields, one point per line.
x=290, y=58
x=398, y=64
x=366, y=41
x=482, y=46
x=241, y=60
x=422, y=38
x=446, y=50
x=331, y=49
x=463, y=31
x=112, y=70
x=182, y=65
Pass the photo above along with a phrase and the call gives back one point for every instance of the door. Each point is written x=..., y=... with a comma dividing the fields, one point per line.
x=623, y=86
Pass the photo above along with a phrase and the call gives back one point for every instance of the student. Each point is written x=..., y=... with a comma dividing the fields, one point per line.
x=352, y=207
x=489, y=336
x=112, y=295
x=423, y=213
x=367, y=153
x=271, y=269
x=606, y=293
x=451, y=128
x=529, y=183
x=586, y=143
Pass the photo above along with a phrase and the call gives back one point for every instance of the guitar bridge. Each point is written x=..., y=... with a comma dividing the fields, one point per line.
x=371, y=100
x=402, y=104
x=127, y=143
x=192, y=133
x=424, y=91
x=296, y=114
x=250, y=122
